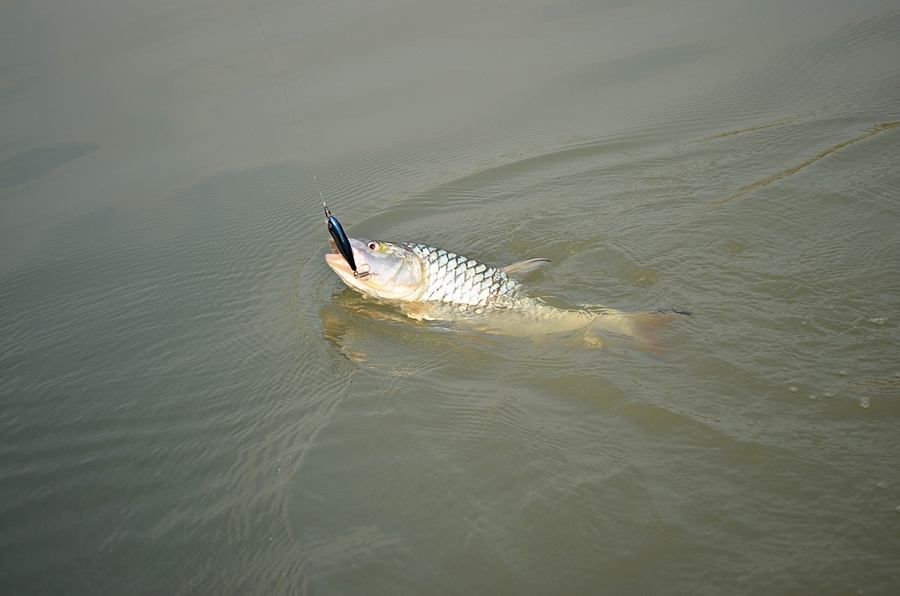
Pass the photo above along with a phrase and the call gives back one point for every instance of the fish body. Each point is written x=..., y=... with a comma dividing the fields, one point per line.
x=466, y=283
x=422, y=274
x=430, y=283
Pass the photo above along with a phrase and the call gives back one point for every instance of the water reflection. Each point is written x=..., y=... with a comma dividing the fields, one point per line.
x=347, y=322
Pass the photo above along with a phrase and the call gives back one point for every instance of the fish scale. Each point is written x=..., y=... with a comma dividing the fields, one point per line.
x=457, y=280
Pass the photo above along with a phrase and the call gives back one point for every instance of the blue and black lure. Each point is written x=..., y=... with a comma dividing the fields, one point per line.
x=341, y=240
x=338, y=235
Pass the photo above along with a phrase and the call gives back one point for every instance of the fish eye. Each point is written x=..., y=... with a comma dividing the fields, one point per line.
x=373, y=245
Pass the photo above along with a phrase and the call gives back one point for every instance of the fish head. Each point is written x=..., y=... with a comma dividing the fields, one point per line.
x=383, y=270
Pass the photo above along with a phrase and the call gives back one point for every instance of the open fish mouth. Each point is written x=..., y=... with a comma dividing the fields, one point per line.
x=335, y=252
x=337, y=261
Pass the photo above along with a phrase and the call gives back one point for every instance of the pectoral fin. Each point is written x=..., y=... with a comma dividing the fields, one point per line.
x=525, y=266
x=419, y=311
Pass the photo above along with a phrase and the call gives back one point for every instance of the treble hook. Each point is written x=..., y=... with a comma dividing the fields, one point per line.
x=362, y=274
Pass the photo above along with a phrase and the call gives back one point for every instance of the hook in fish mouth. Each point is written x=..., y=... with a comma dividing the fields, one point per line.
x=336, y=253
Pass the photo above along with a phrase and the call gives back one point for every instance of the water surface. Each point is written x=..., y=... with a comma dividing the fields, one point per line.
x=191, y=402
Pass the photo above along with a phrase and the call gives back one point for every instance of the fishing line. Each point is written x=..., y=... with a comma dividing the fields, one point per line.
x=335, y=229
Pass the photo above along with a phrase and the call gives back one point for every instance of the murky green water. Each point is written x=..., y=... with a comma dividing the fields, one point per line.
x=192, y=403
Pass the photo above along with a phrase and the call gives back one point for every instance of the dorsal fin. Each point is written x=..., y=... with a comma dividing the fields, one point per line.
x=525, y=266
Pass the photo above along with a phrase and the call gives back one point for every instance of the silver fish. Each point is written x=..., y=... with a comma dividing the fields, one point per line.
x=430, y=283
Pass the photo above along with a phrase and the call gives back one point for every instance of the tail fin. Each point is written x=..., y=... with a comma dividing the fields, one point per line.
x=647, y=325
x=641, y=326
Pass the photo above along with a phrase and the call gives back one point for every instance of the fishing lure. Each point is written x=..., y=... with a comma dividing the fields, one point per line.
x=340, y=238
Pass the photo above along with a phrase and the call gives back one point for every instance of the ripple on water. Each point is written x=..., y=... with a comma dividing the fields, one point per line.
x=33, y=164
x=187, y=384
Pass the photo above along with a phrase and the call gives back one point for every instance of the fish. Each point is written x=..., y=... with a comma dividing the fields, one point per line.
x=432, y=284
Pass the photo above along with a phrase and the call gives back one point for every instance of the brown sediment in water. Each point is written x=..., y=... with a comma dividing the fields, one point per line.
x=870, y=132
x=740, y=131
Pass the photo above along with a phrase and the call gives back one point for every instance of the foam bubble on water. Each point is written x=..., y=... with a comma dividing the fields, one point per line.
x=829, y=394
x=842, y=372
x=793, y=389
x=864, y=402
x=881, y=484
x=878, y=320
x=813, y=397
